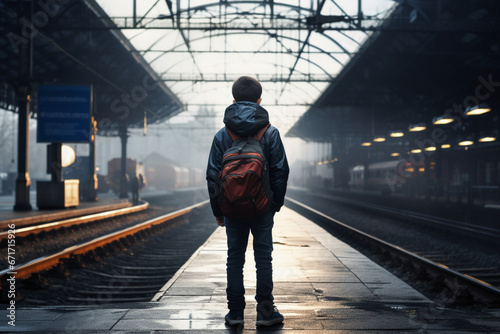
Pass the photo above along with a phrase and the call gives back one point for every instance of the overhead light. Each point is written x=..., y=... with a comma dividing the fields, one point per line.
x=397, y=134
x=417, y=150
x=487, y=139
x=379, y=139
x=395, y=154
x=445, y=146
x=430, y=148
x=466, y=143
x=366, y=144
x=482, y=108
x=440, y=120
x=417, y=127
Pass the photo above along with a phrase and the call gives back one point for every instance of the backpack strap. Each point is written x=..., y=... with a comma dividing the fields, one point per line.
x=261, y=132
x=257, y=136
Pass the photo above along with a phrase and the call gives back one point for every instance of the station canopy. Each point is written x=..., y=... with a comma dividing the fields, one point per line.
x=75, y=43
x=428, y=59
x=352, y=65
x=294, y=47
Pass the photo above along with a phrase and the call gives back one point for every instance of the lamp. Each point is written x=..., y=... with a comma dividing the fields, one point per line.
x=395, y=154
x=440, y=120
x=480, y=109
x=367, y=143
x=379, y=139
x=487, y=139
x=68, y=155
x=445, y=146
x=417, y=127
x=397, y=134
x=417, y=150
x=465, y=142
x=430, y=148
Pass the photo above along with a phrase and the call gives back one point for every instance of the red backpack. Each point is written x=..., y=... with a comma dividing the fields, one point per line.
x=245, y=189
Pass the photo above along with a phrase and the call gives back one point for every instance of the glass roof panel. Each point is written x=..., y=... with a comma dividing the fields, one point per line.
x=199, y=47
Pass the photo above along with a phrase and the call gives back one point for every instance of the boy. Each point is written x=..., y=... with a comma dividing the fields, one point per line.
x=246, y=117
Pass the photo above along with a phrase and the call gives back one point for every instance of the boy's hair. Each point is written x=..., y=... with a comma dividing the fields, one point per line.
x=246, y=89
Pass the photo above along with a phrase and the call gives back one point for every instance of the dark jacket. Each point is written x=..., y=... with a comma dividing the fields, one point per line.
x=246, y=119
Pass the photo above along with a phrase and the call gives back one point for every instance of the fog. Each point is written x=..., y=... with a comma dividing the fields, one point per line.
x=184, y=139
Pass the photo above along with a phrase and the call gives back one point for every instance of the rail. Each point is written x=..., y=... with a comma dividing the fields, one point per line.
x=47, y=262
x=458, y=225
x=22, y=232
x=479, y=289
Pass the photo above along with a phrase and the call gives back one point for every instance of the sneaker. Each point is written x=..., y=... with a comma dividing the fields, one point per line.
x=234, y=318
x=268, y=317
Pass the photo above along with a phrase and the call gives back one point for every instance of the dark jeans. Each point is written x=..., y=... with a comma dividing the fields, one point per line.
x=237, y=232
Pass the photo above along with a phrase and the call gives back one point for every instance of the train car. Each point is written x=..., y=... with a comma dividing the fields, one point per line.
x=196, y=177
x=165, y=174
x=468, y=177
x=133, y=168
x=386, y=176
x=357, y=179
x=181, y=177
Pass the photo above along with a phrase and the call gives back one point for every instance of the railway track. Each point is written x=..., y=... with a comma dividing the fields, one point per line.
x=464, y=227
x=486, y=274
x=105, y=279
x=48, y=227
x=459, y=284
x=490, y=274
x=133, y=264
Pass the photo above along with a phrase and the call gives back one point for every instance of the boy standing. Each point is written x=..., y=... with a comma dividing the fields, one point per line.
x=245, y=117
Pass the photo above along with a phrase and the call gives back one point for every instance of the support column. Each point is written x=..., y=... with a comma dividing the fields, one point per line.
x=56, y=162
x=23, y=181
x=124, y=182
x=472, y=162
x=92, y=176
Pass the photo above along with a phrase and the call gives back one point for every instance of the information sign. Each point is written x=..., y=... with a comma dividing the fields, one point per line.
x=64, y=114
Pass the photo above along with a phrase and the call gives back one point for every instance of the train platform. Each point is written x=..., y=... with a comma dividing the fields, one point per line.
x=322, y=286
x=8, y=216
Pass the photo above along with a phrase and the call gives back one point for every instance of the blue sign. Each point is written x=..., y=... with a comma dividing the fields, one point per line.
x=64, y=114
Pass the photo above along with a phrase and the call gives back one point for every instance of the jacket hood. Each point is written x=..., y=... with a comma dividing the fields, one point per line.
x=245, y=118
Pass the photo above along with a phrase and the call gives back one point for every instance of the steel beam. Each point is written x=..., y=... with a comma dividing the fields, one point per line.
x=215, y=77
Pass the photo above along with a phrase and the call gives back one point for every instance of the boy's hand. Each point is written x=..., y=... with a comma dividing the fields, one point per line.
x=220, y=221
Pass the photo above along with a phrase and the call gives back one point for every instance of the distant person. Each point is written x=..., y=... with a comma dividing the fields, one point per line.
x=245, y=118
x=134, y=187
x=142, y=182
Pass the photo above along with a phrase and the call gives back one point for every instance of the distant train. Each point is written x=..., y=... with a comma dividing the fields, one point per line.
x=133, y=168
x=387, y=176
x=157, y=171
x=457, y=175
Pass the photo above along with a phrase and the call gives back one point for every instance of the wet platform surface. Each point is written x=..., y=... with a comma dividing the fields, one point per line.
x=321, y=286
